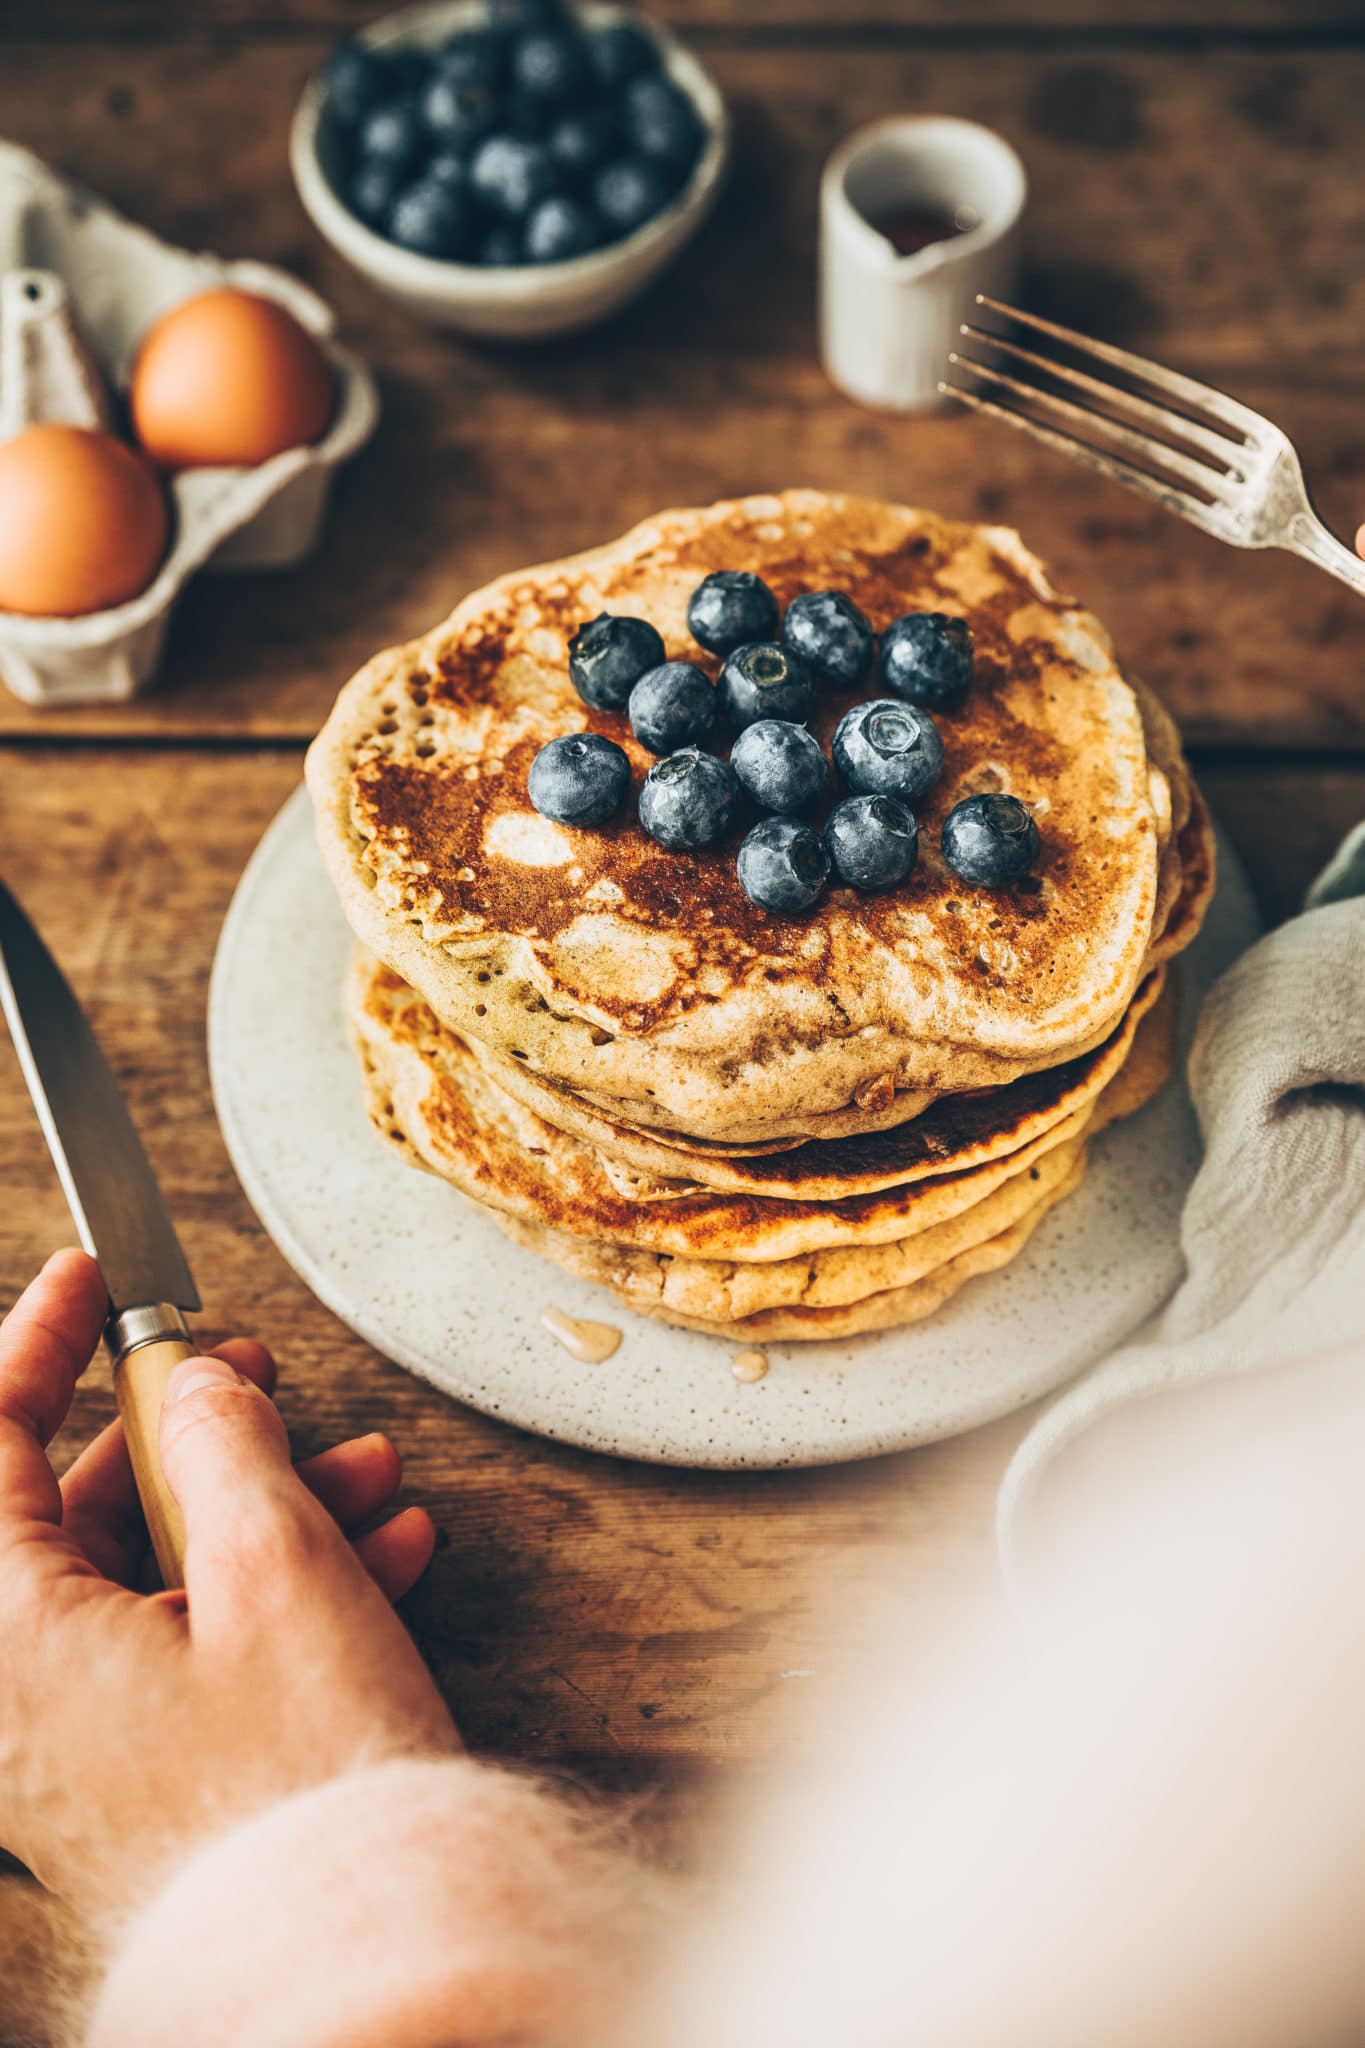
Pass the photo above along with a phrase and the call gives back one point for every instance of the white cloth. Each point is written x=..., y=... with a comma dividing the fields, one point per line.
x=1273, y=1230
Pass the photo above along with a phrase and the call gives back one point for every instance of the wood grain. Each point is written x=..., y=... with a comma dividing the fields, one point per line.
x=1212, y=208
x=1197, y=192
x=632, y=1620
x=1286, y=819
x=1262, y=650
x=1209, y=211
x=1182, y=206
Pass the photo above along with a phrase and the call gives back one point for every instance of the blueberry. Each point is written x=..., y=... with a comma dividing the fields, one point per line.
x=782, y=865
x=885, y=749
x=549, y=65
x=662, y=122
x=458, y=115
x=447, y=169
x=579, y=779
x=831, y=635
x=357, y=80
x=872, y=841
x=672, y=706
x=502, y=247
x=560, y=228
x=608, y=656
x=526, y=117
x=764, y=680
x=780, y=765
x=478, y=57
x=688, y=800
x=989, y=840
x=629, y=192
x=408, y=71
x=730, y=607
x=393, y=134
x=580, y=141
x=432, y=220
x=510, y=174
x=621, y=51
x=927, y=659
x=373, y=189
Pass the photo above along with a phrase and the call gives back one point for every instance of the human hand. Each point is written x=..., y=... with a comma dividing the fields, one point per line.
x=132, y=1726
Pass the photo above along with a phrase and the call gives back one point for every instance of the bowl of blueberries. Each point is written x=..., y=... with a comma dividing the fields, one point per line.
x=514, y=168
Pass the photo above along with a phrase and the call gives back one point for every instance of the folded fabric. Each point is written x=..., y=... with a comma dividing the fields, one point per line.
x=1274, y=1225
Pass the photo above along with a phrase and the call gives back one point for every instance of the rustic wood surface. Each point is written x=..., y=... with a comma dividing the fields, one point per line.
x=581, y=1608
x=1197, y=189
x=1210, y=211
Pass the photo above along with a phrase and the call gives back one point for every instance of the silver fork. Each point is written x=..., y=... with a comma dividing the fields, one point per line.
x=1218, y=464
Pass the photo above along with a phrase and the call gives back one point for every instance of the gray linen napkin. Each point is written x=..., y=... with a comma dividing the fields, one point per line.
x=1273, y=1229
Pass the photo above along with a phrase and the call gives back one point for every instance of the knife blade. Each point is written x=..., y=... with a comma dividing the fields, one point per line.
x=117, y=1206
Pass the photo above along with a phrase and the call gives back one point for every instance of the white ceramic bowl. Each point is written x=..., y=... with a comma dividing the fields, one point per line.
x=532, y=300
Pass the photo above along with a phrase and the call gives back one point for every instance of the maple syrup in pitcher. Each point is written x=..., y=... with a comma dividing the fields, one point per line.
x=912, y=226
x=918, y=214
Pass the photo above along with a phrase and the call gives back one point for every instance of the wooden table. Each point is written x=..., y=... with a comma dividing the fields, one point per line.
x=1197, y=191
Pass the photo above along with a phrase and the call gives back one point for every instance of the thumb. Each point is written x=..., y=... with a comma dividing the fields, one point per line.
x=219, y=1433
x=225, y=1455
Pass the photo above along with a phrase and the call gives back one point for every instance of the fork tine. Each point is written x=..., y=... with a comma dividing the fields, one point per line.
x=1211, y=482
x=1158, y=417
x=1174, y=499
x=1216, y=403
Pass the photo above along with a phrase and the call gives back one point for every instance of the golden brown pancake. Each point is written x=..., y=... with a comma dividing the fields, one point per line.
x=643, y=979
x=700, y=1254
x=499, y=1151
x=1198, y=858
x=957, y=1133
x=889, y=1309
x=1184, y=890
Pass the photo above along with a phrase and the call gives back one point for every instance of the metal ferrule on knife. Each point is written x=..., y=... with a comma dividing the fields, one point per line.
x=129, y=1327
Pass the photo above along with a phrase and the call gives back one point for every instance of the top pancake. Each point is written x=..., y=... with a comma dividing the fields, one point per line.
x=645, y=977
x=1184, y=890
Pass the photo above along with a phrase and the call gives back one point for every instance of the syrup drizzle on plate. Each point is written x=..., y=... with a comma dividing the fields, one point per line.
x=593, y=1343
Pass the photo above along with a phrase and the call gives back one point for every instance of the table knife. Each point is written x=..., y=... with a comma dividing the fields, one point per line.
x=118, y=1209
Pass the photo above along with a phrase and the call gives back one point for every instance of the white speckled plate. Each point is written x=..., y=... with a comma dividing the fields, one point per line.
x=431, y=1282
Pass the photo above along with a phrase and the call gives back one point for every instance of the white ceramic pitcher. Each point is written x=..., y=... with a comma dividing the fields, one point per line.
x=888, y=321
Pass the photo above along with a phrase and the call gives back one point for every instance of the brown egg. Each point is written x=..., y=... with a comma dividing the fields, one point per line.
x=83, y=522
x=227, y=380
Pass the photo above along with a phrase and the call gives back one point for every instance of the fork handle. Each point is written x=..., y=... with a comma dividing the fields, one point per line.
x=1310, y=538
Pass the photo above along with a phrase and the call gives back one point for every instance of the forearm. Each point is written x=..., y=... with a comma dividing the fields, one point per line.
x=407, y=1907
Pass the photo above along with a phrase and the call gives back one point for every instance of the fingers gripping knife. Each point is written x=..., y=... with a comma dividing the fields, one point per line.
x=117, y=1206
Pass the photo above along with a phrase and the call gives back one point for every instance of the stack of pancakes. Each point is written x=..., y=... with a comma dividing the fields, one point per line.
x=761, y=1126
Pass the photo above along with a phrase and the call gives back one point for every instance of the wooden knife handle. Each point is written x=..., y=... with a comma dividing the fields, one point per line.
x=140, y=1384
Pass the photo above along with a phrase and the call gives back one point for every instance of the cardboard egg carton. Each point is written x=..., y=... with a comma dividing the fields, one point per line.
x=79, y=286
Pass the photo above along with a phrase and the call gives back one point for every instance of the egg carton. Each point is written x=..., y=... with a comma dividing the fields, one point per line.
x=79, y=286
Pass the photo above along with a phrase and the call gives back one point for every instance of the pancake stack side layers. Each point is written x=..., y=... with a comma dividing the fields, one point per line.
x=766, y=1126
